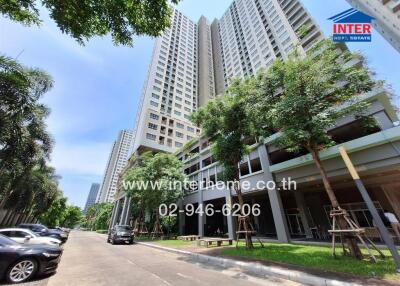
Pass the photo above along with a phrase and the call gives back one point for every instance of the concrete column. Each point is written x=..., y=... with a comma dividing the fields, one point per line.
x=116, y=210
x=124, y=207
x=181, y=217
x=278, y=212
x=230, y=219
x=279, y=216
x=201, y=216
x=127, y=214
x=301, y=206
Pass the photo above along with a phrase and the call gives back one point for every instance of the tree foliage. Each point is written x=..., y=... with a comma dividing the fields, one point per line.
x=73, y=217
x=159, y=171
x=230, y=127
x=98, y=216
x=228, y=124
x=303, y=96
x=55, y=214
x=84, y=19
x=27, y=184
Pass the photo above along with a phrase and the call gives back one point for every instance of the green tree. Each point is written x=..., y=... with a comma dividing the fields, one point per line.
x=228, y=124
x=302, y=97
x=103, y=215
x=25, y=144
x=84, y=19
x=73, y=217
x=98, y=216
x=169, y=223
x=163, y=177
x=56, y=213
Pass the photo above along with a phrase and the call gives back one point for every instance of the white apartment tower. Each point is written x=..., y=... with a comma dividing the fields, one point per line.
x=386, y=15
x=116, y=162
x=193, y=62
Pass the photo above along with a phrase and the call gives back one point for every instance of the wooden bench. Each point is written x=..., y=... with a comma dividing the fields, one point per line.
x=188, y=237
x=210, y=241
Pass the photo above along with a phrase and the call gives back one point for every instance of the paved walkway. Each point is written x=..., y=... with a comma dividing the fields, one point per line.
x=89, y=260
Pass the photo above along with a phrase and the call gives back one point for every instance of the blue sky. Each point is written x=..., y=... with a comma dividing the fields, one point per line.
x=97, y=86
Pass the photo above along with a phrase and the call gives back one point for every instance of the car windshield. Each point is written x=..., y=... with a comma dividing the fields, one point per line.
x=42, y=227
x=6, y=241
x=123, y=228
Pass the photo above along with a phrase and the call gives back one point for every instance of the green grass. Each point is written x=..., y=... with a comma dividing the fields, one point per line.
x=167, y=242
x=319, y=257
x=176, y=243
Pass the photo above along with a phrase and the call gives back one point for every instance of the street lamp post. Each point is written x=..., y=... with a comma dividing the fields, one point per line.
x=371, y=207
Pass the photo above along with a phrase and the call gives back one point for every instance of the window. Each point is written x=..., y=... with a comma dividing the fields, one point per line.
x=180, y=125
x=244, y=169
x=179, y=134
x=153, y=126
x=178, y=144
x=154, y=116
x=151, y=136
x=255, y=165
x=153, y=103
x=190, y=129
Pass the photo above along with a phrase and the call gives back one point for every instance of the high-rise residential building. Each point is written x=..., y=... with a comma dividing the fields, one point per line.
x=386, y=15
x=193, y=62
x=170, y=93
x=116, y=162
x=91, y=199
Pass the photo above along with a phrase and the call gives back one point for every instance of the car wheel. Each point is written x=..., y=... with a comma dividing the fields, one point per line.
x=112, y=241
x=22, y=270
x=130, y=241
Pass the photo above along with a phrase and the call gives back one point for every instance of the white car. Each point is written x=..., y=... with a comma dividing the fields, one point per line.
x=22, y=235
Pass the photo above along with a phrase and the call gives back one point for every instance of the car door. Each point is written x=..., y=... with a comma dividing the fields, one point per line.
x=7, y=256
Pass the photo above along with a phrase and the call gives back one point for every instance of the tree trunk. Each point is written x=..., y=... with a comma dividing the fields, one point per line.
x=351, y=241
x=238, y=190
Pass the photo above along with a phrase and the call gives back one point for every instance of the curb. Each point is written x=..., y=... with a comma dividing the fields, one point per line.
x=255, y=269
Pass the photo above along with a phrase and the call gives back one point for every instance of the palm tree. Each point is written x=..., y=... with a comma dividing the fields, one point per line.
x=24, y=140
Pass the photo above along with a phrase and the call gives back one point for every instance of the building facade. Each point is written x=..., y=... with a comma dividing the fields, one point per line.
x=117, y=160
x=386, y=15
x=194, y=62
x=91, y=199
x=301, y=212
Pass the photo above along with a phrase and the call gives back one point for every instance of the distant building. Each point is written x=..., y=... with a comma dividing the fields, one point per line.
x=91, y=199
x=116, y=162
x=387, y=17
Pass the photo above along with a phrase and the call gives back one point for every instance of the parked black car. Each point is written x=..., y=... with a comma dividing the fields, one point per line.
x=44, y=231
x=120, y=233
x=20, y=262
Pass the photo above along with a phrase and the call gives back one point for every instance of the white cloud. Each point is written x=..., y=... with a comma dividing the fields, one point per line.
x=87, y=158
x=68, y=43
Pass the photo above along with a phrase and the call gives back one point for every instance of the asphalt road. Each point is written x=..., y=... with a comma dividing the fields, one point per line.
x=89, y=260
